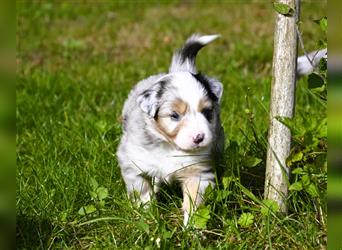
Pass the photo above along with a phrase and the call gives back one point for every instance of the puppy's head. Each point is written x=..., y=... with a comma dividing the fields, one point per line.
x=184, y=109
x=184, y=105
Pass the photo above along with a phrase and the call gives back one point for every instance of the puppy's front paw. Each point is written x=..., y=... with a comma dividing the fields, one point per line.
x=140, y=200
x=186, y=218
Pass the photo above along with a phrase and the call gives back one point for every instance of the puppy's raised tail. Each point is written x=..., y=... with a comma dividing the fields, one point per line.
x=184, y=59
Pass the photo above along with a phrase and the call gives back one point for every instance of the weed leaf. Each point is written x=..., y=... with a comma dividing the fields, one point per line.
x=297, y=186
x=251, y=161
x=226, y=181
x=201, y=217
x=283, y=9
x=93, y=183
x=298, y=171
x=246, y=219
x=269, y=205
x=294, y=157
x=87, y=210
x=315, y=81
x=323, y=23
x=306, y=180
x=102, y=193
x=143, y=226
x=312, y=190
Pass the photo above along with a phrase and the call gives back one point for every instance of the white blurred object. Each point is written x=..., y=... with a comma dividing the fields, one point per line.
x=307, y=63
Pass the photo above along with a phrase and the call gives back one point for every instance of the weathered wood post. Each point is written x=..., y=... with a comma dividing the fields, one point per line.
x=282, y=103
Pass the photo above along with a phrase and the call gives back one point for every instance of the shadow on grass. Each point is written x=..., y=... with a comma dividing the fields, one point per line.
x=33, y=232
x=254, y=180
x=168, y=192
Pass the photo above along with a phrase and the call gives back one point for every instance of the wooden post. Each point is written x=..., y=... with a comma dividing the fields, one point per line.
x=282, y=104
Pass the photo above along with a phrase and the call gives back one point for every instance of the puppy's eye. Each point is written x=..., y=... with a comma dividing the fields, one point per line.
x=175, y=116
x=208, y=113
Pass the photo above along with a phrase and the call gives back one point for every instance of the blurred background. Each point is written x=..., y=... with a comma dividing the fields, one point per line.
x=7, y=124
x=334, y=125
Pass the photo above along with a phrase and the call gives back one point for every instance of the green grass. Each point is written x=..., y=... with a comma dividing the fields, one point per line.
x=75, y=66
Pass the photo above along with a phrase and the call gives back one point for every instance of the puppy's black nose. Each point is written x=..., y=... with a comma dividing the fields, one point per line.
x=199, y=138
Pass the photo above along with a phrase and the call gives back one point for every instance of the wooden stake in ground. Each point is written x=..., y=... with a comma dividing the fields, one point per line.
x=282, y=101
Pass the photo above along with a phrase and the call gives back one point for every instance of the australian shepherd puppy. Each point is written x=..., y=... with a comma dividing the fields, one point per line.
x=172, y=130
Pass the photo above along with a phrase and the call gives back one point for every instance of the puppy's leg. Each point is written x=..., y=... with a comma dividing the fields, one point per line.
x=193, y=190
x=155, y=184
x=135, y=183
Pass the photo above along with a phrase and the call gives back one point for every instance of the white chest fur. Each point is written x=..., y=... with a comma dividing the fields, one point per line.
x=164, y=162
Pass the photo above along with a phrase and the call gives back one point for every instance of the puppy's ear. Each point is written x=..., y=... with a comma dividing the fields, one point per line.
x=148, y=101
x=150, y=98
x=212, y=86
x=216, y=87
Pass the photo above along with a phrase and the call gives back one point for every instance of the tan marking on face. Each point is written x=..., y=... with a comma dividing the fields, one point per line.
x=179, y=106
x=203, y=103
x=171, y=135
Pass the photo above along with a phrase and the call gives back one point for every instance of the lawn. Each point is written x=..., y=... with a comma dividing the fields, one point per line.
x=76, y=63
